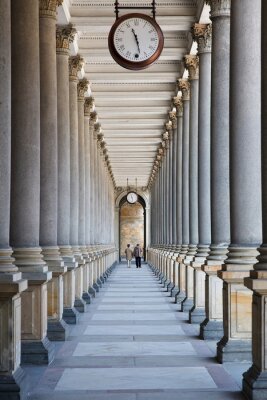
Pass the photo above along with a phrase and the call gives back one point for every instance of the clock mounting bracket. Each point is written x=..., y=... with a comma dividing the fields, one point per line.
x=152, y=8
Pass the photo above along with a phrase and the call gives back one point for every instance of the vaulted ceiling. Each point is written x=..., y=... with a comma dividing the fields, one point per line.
x=132, y=106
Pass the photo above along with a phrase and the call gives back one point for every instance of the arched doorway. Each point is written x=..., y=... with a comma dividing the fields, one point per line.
x=132, y=225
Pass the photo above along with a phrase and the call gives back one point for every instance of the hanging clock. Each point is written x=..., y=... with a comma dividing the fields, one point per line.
x=135, y=41
x=132, y=197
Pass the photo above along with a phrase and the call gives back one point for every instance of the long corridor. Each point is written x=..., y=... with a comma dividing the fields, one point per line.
x=132, y=343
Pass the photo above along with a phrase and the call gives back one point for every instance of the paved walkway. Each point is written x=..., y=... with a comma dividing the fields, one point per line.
x=133, y=344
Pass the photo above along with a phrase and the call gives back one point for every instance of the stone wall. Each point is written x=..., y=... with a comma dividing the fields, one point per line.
x=131, y=226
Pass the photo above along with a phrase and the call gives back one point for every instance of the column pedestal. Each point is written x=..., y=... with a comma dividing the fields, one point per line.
x=212, y=326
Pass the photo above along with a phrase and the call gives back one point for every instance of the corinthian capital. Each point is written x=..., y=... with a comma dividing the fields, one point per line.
x=64, y=36
x=75, y=65
x=82, y=88
x=173, y=119
x=48, y=8
x=219, y=8
x=192, y=65
x=88, y=105
x=184, y=86
x=202, y=34
x=93, y=118
x=178, y=103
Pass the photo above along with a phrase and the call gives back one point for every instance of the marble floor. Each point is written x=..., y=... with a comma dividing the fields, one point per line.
x=133, y=343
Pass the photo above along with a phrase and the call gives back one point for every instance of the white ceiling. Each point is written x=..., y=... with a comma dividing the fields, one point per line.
x=132, y=107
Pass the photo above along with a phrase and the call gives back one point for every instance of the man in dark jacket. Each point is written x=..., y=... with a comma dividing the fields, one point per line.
x=137, y=254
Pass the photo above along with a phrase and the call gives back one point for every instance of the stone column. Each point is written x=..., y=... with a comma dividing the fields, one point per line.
x=49, y=169
x=184, y=86
x=75, y=65
x=212, y=327
x=170, y=173
x=202, y=34
x=82, y=89
x=245, y=185
x=11, y=284
x=255, y=379
x=64, y=36
x=173, y=118
x=178, y=103
x=25, y=181
x=194, y=287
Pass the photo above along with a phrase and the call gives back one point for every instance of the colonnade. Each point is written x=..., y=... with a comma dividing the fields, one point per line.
x=57, y=190
x=215, y=262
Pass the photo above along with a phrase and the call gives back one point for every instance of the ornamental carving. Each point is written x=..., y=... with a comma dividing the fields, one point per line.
x=192, y=65
x=184, y=86
x=64, y=36
x=48, y=8
x=219, y=8
x=160, y=151
x=82, y=88
x=202, y=34
x=178, y=103
x=172, y=116
x=165, y=136
x=93, y=118
x=168, y=126
x=88, y=105
x=75, y=65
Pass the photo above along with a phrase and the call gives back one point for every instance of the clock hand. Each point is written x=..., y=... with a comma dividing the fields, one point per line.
x=136, y=39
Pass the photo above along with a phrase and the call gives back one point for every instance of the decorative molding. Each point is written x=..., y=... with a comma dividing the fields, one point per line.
x=48, y=8
x=76, y=63
x=173, y=119
x=192, y=65
x=178, y=103
x=202, y=34
x=88, y=105
x=181, y=4
x=184, y=86
x=82, y=88
x=219, y=8
x=64, y=36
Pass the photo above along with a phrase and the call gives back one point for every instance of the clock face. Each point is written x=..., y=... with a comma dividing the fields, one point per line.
x=132, y=197
x=135, y=41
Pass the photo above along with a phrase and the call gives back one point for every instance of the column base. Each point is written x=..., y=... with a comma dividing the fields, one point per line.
x=57, y=331
x=187, y=304
x=92, y=291
x=86, y=297
x=96, y=287
x=180, y=297
x=37, y=352
x=211, y=330
x=197, y=315
x=70, y=315
x=170, y=286
x=255, y=384
x=79, y=304
x=13, y=386
x=100, y=284
x=234, y=350
x=174, y=291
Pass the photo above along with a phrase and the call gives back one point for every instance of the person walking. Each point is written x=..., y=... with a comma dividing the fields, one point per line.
x=129, y=255
x=137, y=253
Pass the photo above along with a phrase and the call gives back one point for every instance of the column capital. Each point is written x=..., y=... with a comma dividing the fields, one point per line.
x=75, y=65
x=178, y=104
x=48, y=8
x=219, y=8
x=192, y=65
x=93, y=118
x=82, y=88
x=202, y=34
x=64, y=36
x=184, y=86
x=88, y=105
x=173, y=119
